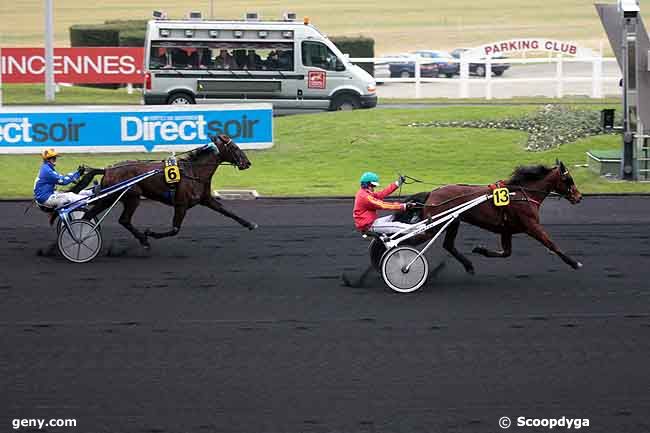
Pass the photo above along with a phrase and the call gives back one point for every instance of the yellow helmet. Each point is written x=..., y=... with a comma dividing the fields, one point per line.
x=49, y=153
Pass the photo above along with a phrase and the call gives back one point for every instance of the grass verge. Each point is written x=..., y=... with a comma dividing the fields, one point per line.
x=33, y=94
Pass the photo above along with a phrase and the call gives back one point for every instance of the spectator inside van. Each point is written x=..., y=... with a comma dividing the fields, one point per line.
x=225, y=60
x=254, y=60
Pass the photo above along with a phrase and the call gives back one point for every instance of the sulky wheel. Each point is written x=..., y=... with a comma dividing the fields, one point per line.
x=74, y=215
x=84, y=245
x=397, y=276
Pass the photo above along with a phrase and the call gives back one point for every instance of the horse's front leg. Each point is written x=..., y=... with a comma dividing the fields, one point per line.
x=506, y=244
x=179, y=215
x=537, y=232
x=131, y=201
x=215, y=205
x=450, y=245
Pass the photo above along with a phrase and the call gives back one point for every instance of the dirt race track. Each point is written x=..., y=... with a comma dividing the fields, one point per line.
x=226, y=330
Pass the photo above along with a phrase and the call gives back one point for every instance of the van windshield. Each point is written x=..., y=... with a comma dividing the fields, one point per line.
x=230, y=55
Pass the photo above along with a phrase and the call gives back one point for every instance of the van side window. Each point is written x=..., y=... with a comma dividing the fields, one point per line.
x=318, y=55
x=219, y=55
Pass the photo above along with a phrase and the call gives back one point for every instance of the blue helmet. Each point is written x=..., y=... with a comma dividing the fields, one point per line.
x=369, y=178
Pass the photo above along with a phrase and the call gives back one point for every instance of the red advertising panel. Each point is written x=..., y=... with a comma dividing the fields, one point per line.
x=88, y=65
x=316, y=80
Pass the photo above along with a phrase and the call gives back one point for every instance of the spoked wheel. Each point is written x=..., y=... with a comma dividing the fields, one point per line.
x=87, y=245
x=397, y=273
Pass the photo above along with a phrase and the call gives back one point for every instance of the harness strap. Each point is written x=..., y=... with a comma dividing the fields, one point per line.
x=529, y=199
x=498, y=184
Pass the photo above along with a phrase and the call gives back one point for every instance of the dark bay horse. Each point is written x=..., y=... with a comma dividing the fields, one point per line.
x=531, y=185
x=197, y=169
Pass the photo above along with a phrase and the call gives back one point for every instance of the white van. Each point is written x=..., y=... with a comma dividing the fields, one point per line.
x=286, y=63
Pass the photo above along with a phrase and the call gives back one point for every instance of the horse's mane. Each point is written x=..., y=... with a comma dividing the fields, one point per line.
x=195, y=154
x=191, y=155
x=125, y=163
x=528, y=173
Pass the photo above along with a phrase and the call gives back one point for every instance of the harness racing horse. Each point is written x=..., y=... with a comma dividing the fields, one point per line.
x=531, y=185
x=197, y=169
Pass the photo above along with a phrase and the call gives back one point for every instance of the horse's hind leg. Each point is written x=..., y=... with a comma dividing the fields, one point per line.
x=506, y=244
x=179, y=215
x=131, y=202
x=449, y=244
x=97, y=208
x=537, y=232
x=213, y=204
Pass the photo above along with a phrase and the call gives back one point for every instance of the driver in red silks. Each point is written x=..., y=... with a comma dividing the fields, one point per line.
x=368, y=201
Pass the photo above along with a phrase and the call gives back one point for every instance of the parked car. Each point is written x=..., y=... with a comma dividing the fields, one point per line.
x=382, y=64
x=406, y=69
x=444, y=60
x=479, y=68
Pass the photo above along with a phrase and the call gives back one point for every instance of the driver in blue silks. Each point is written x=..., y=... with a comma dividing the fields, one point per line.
x=48, y=178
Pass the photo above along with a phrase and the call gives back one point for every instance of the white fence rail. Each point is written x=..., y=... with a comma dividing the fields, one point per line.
x=596, y=77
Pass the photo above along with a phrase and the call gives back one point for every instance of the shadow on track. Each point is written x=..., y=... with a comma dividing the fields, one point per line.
x=369, y=278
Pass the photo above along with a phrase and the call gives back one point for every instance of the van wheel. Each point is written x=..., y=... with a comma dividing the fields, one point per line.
x=480, y=71
x=405, y=74
x=181, y=99
x=345, y=103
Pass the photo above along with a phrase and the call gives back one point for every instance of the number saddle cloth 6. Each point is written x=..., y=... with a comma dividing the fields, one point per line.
x=172, y=174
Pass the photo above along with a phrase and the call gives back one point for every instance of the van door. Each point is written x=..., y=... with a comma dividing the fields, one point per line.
x=324, y=73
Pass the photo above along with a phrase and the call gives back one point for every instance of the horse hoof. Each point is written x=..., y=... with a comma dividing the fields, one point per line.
x=578, y=265
x=253, y=226
x=470, y=271
x=478, y=250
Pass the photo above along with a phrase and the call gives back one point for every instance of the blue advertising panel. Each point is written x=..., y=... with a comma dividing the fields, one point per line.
x=133, y=129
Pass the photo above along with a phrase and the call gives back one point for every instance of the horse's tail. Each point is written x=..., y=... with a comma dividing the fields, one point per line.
x=86, y=179
x=414, y=213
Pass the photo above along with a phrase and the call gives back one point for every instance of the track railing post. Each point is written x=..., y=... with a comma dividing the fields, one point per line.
x=597, y=77
x=559, y=90
x=417, y=74
x=464, y=78
x=488, y=78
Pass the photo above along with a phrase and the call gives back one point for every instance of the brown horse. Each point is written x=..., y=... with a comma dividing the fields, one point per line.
x=197, y=169
x=531, y=186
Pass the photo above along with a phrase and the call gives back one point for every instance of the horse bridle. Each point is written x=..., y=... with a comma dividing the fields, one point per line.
x=237, y=161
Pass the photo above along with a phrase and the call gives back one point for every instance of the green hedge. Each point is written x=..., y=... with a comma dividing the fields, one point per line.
x=357, y=46
x=113, y=33
x=128, y=24
x=99, y=35
x=132, y=38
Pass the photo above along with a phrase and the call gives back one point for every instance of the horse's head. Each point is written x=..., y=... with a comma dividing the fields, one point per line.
x=230, y=152
x=565, y=185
